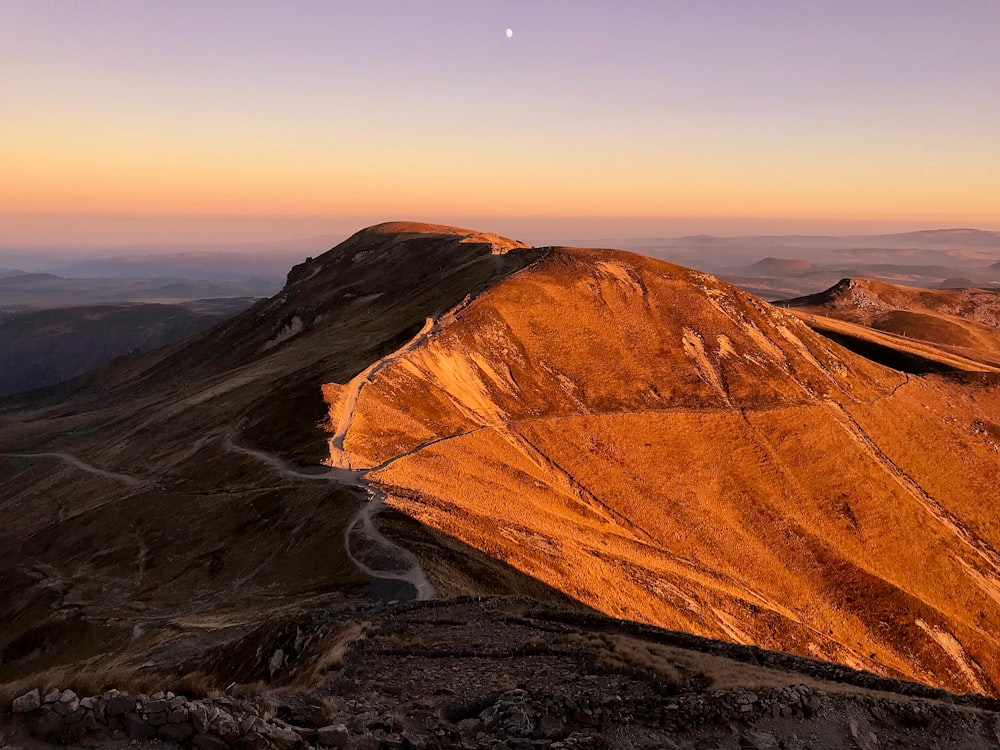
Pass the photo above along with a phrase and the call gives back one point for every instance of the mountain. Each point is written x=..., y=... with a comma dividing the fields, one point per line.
x=678, y=452
x=779, y=266
x=574, y=425
x=45, y=290
x=19, y=278
x=210, y=265
x=958, y=328
x=42, y=347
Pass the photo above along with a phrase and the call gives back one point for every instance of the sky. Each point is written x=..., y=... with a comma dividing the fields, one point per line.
x=159, y=122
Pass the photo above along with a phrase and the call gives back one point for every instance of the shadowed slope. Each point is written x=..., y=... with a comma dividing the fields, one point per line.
x=665, y=447
x=123, y=501
x=956, y=328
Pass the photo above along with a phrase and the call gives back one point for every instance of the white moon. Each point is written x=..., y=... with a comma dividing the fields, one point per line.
x=510, y=33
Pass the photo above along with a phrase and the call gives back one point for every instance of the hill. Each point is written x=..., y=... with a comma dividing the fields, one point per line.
x=571, y=425
x=677, y=451
x=43, y=347
x=779, y=266
x=964, y=323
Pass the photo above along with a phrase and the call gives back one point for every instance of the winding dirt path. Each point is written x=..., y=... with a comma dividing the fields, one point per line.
x=125, y=479
x=405, y=567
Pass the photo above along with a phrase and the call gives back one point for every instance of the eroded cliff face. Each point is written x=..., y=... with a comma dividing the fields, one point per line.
x=667, y=448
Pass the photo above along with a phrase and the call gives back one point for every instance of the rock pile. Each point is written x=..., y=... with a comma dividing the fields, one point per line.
x=206, y=724
x=521, y=718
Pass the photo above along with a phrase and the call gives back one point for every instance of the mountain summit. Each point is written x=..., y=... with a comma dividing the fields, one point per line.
x=558, y=422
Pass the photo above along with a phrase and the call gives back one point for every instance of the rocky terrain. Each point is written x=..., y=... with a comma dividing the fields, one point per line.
x=510, y=673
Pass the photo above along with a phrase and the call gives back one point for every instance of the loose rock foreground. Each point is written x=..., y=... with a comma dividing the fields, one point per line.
x=503, y=673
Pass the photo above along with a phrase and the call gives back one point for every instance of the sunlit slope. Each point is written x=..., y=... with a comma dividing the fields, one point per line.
x=958, y=322
x=667, y=448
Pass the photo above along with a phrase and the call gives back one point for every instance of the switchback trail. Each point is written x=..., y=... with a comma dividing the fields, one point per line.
x=361, y=526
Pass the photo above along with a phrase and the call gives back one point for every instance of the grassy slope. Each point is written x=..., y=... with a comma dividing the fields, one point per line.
x=209, y=537
x=664, y=447
x=956, y=328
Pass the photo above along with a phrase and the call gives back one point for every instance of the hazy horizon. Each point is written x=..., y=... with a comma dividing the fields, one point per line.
x=181, y=122
x=89, y=234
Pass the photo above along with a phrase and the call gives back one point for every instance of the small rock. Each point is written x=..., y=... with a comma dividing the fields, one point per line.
x=49, y=722
x=864, y=740
x=224, y=725
x=177, y=715
x=334, y=735
x=759, y=741
x=199, y=718
x=550, y=727
x=176, y=732
x=90, y=723
x=246, y=723
x=283, y=738
x=177, y=701
x=470, y=726
x=209, y=742
x=52, y=696
x=68, y=703
x=27, y=702
x=119, y=704
x=360, y=722
x=136, y=728
x=155, y=706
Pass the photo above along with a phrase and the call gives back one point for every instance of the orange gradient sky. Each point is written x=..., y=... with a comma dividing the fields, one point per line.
x=840, y=112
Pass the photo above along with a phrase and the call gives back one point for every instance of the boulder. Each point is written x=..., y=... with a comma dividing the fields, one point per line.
x=176, y=732
x=28, y=702
x=209, y=742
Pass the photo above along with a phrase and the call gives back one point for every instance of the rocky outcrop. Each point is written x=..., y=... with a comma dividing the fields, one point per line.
x=206, y=724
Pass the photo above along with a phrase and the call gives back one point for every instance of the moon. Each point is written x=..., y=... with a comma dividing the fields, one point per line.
x=510, y=33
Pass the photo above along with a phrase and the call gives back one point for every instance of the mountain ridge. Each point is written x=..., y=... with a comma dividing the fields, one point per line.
x=591, y=424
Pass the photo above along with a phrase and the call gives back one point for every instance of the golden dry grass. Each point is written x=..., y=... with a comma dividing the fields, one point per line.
x=666, y=448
